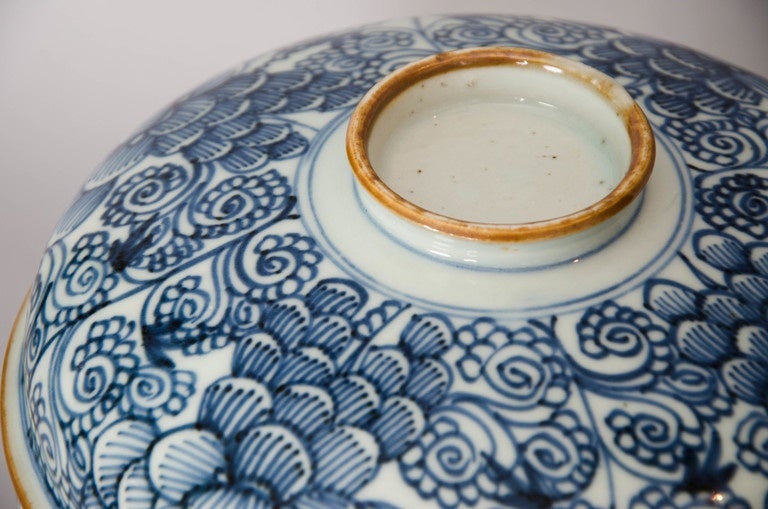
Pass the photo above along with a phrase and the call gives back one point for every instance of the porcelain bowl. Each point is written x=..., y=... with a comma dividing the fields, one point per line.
x=224, y=318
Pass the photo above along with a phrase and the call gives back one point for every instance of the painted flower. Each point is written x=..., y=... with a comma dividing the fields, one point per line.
x=87, y=280
x=102, y=368
x=154, y=392
x=752, y=440
x=185, y=317
x=720, y=143
x=738, y=201
x=240, y=203
x=222, y=127
x=469, y=31
x=468, y=457
x=147, y=193
x=657, y=437
x=522, y=366
x=558, y=460
x=724, y=325
x=450, y=462
x=309, y=413
x=362, y=58
x=282, y=265
x=701, y=388
x=620, y=347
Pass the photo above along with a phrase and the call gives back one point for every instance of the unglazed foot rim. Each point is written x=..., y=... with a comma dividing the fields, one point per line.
x=13, y=456
x=642, y=145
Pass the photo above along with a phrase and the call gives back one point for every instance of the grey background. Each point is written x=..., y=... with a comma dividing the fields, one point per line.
x=77, y=77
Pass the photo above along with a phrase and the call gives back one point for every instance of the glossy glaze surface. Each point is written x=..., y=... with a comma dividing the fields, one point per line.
x=198, y=275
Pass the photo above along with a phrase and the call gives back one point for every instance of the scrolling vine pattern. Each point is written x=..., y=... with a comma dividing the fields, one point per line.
x=220, y=360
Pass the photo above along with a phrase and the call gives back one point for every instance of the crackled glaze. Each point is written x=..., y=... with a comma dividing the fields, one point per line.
x=218, y=298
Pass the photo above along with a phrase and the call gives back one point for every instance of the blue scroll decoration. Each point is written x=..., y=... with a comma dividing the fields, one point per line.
x=191, y=345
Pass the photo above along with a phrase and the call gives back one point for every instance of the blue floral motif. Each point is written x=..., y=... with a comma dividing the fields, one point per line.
x=222, y=127
x=522, y=366
x=181, y=314
x=700, y=387
x=305, y=387
x=283, y=266
x=620, y=347
x=239, y=203
x=737, y=201
x=647, y=437
x=234, y=206
x=86, y=282
x=154, y=392
x=148, y=193
x=752, y=440
x=724, y=325
x=103, y=367
x=309, y=412
x=559, y=460
x=362, y=58
x=721, y=143
x=466, y=456
x=472, y=31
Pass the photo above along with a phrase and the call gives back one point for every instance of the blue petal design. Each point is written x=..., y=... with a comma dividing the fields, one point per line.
x=208, y=149
x=428, y=383
x=346, y=460
x=265, y=134
x=337, y=297
x=758, y=256
x=123, y=158
x=235, y=128
x=243, y=159
x=753, y=342
x=356, y=400
x=386, y=368
x=231, y=405
x=704, y=343
x=116, y=448
x=721, y=251
x=176, y=140
x=273, y=456
x=305, y=366
x=303, y=100
x=186, y=460
x=287, y=321
x=181, y=115
x=229, y=497
x=671, y=106
x=305, y=409
x=748, y=379
x=293, y=146
x=671, y=301
x=240, y=85
x=751, y=287
x=256, y=356
x=427, y=335
x=329, y=333
x=727, y=310
x=400, y=423
x=342, y=97
x=227, y=111
x=135, y=491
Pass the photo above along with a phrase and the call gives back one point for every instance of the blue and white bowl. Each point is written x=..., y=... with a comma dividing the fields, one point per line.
x=219, y=320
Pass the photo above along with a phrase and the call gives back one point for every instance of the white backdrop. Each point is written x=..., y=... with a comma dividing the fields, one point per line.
x=78, y=77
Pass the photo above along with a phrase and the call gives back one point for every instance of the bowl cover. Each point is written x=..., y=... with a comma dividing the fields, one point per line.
x=217, y=323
